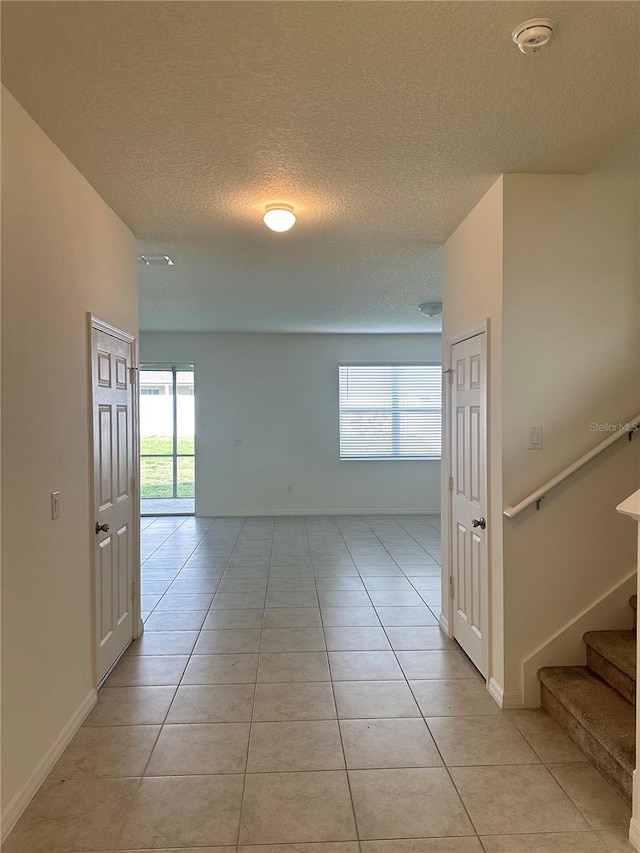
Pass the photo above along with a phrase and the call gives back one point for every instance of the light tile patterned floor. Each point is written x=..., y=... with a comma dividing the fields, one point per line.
x=293, y=693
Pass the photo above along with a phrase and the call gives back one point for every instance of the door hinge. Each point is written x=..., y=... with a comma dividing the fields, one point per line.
x=450, y=484
x=133, y=591
x=449, y=374
x=452, y=588
x=133, y=374
x=134, y=485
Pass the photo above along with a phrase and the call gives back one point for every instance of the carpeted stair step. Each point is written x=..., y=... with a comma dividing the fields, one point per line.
x=612, y=656
x=596, y=718
x=633, y=604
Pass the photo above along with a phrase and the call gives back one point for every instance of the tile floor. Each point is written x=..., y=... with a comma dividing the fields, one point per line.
x=293, y=693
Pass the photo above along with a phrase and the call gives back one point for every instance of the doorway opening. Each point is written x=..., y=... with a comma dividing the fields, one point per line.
x=167, y=439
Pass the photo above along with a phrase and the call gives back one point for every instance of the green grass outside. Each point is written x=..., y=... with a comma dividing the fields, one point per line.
x=164, y=444
x=156, y=474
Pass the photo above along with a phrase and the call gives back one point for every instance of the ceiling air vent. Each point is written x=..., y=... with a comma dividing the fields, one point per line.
x=155, y=260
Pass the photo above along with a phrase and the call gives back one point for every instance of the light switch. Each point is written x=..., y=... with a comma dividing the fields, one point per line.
x=55, y=505
x=534, y=438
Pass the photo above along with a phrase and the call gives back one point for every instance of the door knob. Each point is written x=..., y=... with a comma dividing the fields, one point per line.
x=479, y=522
x=101, y=527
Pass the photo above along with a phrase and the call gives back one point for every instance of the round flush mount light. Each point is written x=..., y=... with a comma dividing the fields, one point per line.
x=279, y=217
x=533, y=35
x=430, y=309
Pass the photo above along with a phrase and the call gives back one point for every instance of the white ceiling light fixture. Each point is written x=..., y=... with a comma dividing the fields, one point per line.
x=430, y=309
x=533, y=35
x=279, y=217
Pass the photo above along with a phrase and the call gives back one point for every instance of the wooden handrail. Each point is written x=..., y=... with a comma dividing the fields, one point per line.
x=535, y=497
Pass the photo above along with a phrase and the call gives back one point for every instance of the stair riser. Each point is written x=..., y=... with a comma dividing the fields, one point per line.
x=613, y=676
x=612, y=771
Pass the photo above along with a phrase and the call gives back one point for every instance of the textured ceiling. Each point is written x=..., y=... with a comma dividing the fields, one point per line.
x=381, y=122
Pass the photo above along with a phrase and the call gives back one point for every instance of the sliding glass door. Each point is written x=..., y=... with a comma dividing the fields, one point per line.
x=167, y=439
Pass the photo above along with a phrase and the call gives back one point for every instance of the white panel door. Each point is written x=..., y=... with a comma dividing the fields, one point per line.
x=113, y=449
x=468, y=499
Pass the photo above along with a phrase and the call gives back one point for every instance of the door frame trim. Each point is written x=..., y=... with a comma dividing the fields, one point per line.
x=100, y=325
x=446, y=617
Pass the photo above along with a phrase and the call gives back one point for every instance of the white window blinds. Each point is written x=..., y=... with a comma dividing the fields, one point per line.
x=390, y=411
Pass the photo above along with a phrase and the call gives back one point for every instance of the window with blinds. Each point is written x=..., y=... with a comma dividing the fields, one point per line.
x=390, y=411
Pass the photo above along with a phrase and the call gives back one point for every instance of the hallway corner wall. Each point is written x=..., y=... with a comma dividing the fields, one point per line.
x=571, y=363
x=472, y=293
x=64, y=253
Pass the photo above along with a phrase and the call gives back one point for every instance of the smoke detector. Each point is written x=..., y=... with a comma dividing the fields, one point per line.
x=533, y=35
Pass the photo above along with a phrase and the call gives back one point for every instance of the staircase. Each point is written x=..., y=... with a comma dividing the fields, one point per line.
x=595, y=704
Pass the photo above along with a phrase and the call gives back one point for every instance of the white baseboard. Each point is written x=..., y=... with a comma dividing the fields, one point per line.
x=496, y=691
x=333, y=511
x=512, y=701
x=22, y=799
x=444, y=624
x=506, y=701
x=634, y=826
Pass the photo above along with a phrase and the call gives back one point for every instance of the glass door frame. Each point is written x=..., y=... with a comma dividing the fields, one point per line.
x=173, y=368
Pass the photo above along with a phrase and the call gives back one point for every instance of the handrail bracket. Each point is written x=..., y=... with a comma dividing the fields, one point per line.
x=538, y=502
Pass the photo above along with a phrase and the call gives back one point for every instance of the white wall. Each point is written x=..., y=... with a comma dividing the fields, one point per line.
x=472, y=293
x=552, y=261
x=571, y=355
x=267, y=418
x=64, y=252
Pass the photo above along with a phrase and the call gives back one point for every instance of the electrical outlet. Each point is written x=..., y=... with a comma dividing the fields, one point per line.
x=55, y=505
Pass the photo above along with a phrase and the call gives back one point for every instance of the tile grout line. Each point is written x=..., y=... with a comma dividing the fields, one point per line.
x=406, y=680
x=253, y=704
x=153, y=609
x=286, y=538
x=444, y=763
x=142, y=776
x=335, y=705
x=360, y=576
x=385, y=631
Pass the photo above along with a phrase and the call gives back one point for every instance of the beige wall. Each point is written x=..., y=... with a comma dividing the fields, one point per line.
x=552, y=261
x=267, y=418
x=64, y=253
x=571, y=355
x=472, y=293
